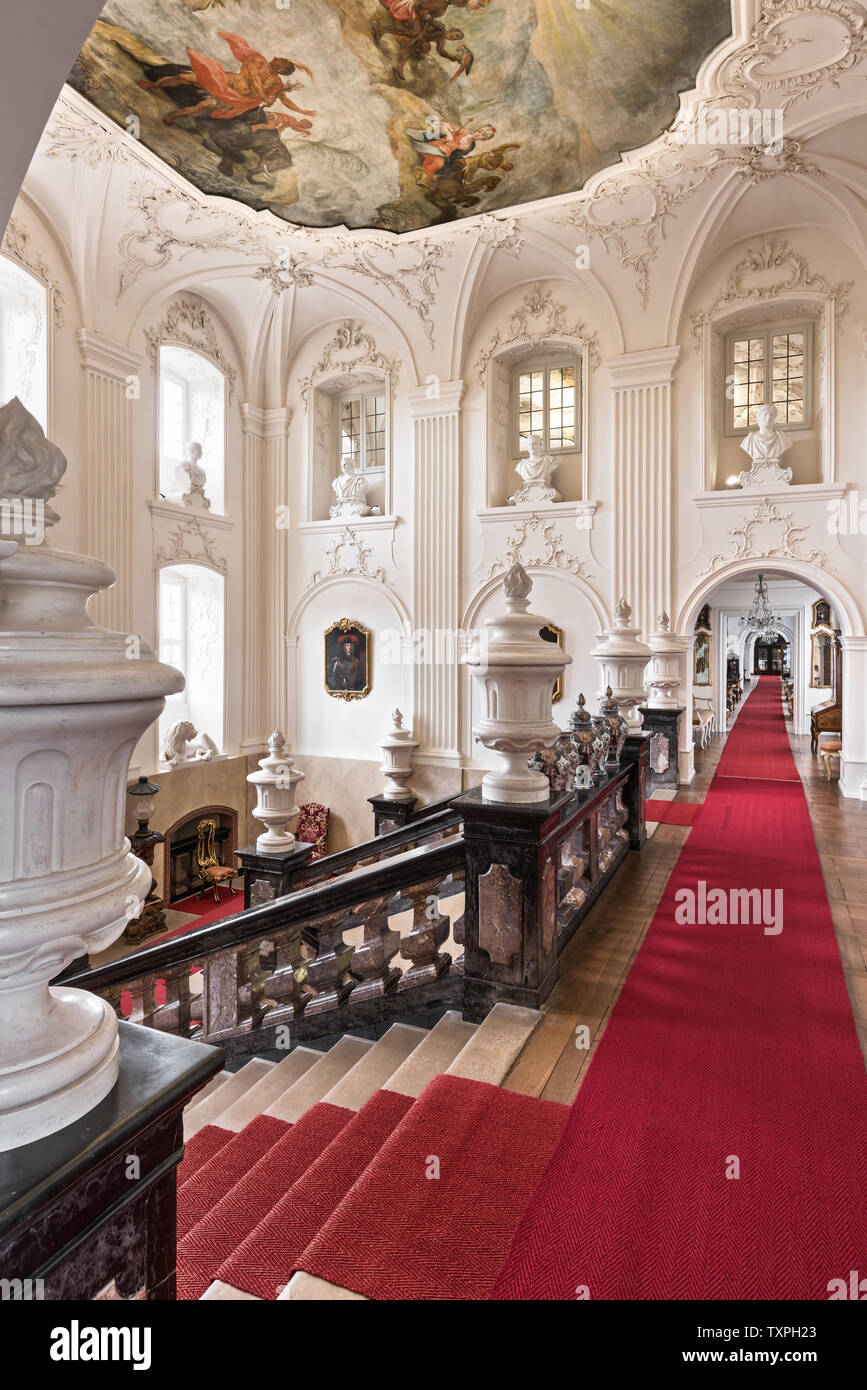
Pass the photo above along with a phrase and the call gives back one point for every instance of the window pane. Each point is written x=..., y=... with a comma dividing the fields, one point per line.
x=172, y=417
x=350, y=430
x=740, y=419
x=740, y=350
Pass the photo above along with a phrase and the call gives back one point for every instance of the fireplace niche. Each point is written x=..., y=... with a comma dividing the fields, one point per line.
x=180, y=873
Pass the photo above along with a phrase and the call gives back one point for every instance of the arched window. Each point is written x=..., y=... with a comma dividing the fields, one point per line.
x=23, y=339
x=191, y=638
x=192, y=407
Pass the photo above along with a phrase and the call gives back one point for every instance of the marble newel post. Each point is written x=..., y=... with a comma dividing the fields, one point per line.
x=622, y=660
x=274, y=862
x=516, y=671
x=394, y=805
x=74, y=704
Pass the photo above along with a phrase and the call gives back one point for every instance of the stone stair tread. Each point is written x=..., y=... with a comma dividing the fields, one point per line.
x=220, y=1290
x=322, y=1076
x=308, y=1287
x=493, y=1049
x=373, y=1071
x=205, y=1112
x=433, y=1055
x=257, y=1099
x=213, y=1085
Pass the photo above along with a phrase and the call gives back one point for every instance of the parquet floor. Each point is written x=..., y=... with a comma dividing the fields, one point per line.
x=596, y=962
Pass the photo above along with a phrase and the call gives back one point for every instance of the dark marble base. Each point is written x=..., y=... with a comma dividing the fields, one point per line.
x=390, y=815
x=90, y=1211
x=662, y=725
x=270, y=876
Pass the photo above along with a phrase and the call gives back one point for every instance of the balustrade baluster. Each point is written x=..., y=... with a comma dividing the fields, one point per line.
x=174, y=1016
x=286, y=992
x=372, y=959
x=328, y=975
x=234, y=986
x=430, y=929
x=143, y=993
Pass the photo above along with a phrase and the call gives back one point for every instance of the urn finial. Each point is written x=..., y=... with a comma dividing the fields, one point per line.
x=517, y=583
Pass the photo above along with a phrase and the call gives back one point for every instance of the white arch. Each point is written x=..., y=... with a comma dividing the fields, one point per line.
x=482, y=594
x=849, y=614
x=332, y=581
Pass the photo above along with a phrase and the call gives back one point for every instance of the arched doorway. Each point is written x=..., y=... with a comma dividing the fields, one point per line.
x=849, y=622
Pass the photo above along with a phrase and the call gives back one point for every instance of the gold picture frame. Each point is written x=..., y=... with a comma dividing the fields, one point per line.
x=348, y=653
x=556, y=635
x=701, y=658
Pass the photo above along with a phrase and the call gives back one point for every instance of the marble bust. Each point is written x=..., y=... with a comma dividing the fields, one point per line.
x=195, y=493
x=536, y=471
x=350, y=490
x=765, y=446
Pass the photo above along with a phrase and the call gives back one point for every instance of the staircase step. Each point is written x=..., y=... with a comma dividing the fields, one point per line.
x=231, y=1220
x=307, y=1288
x=257, y=1099
x=206, y=1112
x=434, y=1055
x=214, y=1179
x=220, y=1290
x=402, y=1234
x=318, y=1081
x=374, y=1070
x=492, y=1050
x=263, y=1263
x=213, y=1085
x=198, y=1150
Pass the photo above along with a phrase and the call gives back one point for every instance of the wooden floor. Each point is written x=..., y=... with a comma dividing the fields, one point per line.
x=596, y=962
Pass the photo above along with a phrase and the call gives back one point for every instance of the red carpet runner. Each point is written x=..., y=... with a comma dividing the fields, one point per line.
x=731, y=1048
x=671, y=812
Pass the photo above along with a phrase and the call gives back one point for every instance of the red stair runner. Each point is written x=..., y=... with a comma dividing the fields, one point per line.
x=402, y=1232
x=265, y=1261
x=203, y=1145
x=726, y=1044
x=227, y=1167
x=213, y=1239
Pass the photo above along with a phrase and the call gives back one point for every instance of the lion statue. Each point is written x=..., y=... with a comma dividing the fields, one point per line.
x=183, y=743
x=176, y=740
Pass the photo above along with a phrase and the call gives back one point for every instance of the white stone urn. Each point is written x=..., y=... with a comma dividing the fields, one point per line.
x=275, y=784
x=397, y=749
x=664, y=672
x=622, y=660
x=75, y=700
x=516, y=671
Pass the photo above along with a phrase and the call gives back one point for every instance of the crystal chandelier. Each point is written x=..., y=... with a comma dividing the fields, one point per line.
x=761, y=620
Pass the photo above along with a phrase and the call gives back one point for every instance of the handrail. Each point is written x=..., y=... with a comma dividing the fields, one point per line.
x=304, y=905
x=443, y=818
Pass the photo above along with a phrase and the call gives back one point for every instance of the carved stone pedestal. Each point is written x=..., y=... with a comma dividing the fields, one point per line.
x=390, y=815
x=270, y=876
x=662, y=725
x=510, y=912
x=75, y=1213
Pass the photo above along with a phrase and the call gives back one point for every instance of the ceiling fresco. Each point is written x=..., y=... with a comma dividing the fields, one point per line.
x=394, y=114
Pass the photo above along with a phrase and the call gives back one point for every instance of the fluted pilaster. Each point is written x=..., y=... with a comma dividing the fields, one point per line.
x=436, y=530
x=112, y=396
x=643, y=491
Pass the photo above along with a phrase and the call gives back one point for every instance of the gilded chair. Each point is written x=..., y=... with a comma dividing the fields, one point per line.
x=211, y=871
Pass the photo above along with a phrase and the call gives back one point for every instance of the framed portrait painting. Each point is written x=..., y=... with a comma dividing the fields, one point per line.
x=347, y=660
x=701, y=668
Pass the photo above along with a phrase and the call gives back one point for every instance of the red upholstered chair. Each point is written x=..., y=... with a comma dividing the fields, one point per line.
x=313, y=827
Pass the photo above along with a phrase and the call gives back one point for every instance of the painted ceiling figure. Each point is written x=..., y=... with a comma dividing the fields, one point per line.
x=416, y=28
x=258, y=83
x=436, y=150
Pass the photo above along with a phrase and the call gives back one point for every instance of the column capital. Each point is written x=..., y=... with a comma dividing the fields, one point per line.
x=99, y=354
x=437, y=398
x=651, y=367
x=266, y=423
